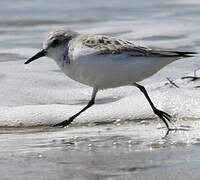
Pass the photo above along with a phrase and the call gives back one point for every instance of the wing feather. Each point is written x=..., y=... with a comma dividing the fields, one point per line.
x=100, y=44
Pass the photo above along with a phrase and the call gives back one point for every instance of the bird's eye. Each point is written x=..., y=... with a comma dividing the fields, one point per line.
x=55, y=42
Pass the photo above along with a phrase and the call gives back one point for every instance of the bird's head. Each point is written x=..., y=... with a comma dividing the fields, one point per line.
x=55, y=45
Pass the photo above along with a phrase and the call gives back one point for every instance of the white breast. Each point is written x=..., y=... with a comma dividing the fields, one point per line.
x=109, y=70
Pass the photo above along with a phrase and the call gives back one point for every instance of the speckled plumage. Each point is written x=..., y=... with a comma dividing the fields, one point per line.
x=105, y=62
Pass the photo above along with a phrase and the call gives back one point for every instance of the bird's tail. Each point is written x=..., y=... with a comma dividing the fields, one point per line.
x=169, y=53
x=184, y=53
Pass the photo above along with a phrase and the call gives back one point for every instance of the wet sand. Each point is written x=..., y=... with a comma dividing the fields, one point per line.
x=119, y=150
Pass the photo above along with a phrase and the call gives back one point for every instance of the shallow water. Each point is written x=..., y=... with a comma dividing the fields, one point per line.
x=119, y=150
x=119, y=138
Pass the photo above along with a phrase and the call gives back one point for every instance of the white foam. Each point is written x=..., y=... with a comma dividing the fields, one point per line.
x=39, y=93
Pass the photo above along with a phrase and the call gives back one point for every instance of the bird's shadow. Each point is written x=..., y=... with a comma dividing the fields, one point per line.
x=98, y=101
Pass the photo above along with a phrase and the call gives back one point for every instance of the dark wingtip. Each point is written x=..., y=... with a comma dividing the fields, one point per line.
x=187, y=54
x=171, y=53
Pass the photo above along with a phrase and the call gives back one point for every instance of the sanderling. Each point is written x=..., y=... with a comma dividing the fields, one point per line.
x=105, y=62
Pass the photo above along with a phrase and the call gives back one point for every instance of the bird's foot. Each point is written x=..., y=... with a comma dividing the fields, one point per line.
x=63, y=123
x=164, y=116
x=66, y=122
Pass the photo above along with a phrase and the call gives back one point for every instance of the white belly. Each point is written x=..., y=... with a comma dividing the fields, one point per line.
x=110, y=73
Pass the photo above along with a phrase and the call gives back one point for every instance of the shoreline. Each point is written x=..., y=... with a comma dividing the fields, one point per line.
x=112, y=151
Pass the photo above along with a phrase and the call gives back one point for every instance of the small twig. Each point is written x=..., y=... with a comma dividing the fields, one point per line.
x=193, y=78
x=173, y=83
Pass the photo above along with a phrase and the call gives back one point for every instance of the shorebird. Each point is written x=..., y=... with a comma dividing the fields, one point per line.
x=103, y=62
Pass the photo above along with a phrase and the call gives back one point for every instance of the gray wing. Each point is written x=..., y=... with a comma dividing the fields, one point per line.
x=108, y=45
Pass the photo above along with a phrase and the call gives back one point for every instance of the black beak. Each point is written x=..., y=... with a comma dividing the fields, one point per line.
x=37, y=56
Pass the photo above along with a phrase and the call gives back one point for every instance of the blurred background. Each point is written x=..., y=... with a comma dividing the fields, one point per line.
x=172, y=23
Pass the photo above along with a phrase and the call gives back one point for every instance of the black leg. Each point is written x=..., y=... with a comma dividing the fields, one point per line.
x=162, y=115
x=90, y=103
